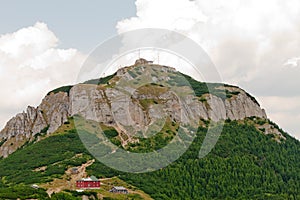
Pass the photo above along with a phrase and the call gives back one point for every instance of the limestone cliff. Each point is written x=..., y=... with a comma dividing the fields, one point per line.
x=96, y=103
x=47, y=117
x=112, y=107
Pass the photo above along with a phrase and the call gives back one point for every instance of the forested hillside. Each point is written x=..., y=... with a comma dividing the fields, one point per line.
x=245, y=164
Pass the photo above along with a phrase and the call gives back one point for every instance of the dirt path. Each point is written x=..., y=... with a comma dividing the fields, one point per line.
x=81, y=173
x=68, y=181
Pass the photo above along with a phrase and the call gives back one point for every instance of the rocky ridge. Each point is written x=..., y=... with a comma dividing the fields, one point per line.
x=103, y=103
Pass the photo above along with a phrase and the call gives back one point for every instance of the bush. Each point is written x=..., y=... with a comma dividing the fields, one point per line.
x=110, y=133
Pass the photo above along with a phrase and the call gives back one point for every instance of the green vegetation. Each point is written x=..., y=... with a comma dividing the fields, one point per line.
x=61, y=89
x=21, y=191
x=202, y=88
x=157, y=141
x=245, y=164
x=44, y=130
x=113, y=136
x=132, y=74
x=2, y=142
x=56, y=152
x=27, y=192
x=110, y=133
x=99, y=81
x=93, y=81
x=152, y=89
x=252, y=98
x=73, y=195
x=146, y=103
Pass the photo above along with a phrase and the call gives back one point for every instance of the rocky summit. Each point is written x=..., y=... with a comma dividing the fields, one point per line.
x=145, y=84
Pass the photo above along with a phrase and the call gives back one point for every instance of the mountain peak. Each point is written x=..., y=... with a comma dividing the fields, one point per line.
x=98, y=100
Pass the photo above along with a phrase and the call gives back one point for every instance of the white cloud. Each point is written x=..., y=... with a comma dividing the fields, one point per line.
x=250, y=42
x=292, y=62
x=30, y=66
x=174, y=15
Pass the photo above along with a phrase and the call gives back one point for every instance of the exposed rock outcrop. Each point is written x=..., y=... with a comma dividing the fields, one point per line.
x=104, y=104
x=55, y=109
x=113, y=107
x=48, y=116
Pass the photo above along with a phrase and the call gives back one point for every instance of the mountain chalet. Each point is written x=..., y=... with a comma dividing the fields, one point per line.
x=88, y=183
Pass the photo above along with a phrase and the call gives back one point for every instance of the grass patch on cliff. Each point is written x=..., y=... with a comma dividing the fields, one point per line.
x=217, y=89
x=99, y=81
x=61, y=89
x=153, y=90
x=2, y=142
x=147, y=103
x=157, y=141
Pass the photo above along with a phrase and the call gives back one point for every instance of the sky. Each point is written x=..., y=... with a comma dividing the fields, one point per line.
x=253, y=44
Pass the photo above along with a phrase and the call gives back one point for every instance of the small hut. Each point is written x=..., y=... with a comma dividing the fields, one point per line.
x=119, y=189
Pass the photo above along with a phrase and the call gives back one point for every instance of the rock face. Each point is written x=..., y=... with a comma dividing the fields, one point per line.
x=243, y=106
x=107, y=105
x=110, y=106
x=55, y=109
x=51, y=114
